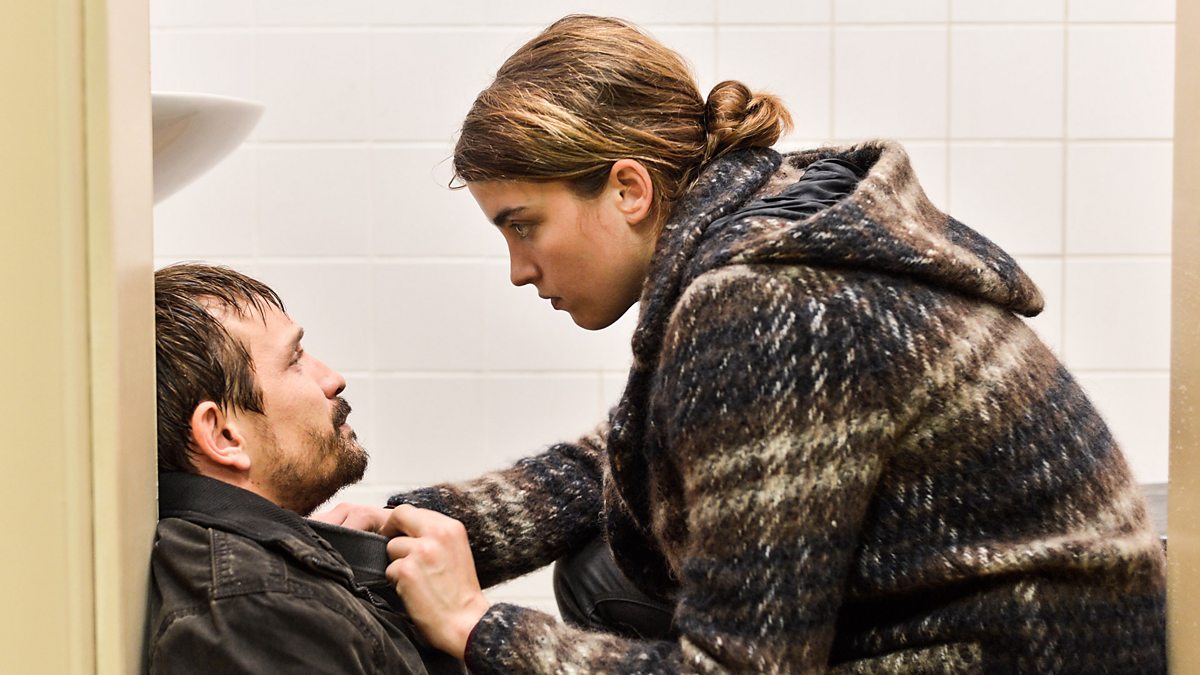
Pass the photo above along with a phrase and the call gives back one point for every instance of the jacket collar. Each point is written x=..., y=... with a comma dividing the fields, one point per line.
x=213, y=503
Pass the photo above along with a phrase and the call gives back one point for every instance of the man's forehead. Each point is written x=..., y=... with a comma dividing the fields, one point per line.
x=252, y=324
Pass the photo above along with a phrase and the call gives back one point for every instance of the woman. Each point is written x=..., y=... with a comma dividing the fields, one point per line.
x=839, y=447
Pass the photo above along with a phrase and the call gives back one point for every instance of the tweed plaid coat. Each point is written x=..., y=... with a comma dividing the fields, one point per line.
x=839, y=449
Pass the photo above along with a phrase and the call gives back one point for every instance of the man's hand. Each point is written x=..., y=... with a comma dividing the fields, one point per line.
x=356, y=516
x=434, y=573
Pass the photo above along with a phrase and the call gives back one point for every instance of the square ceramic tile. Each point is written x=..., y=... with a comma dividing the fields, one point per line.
x=431, y=430
x=210, y=63
x=332, y=302
x=308, y=13
x=528, y=413
x=215, y=215
x=889, y=82
x=417, y=214
x=315, y=86
x=889, y=11
x=1009, y=11
x=1119, y=10
x=1047, y=274
x=1137, y=408
x=929, y=161
x=429, y=103
x=1120, y=82
x=773, y=12
x=429, y=316
x=524, y=333
x=764, y=59
x=1119, y=198
x=1118, y=314
x=1010, y=193
x=201, y=13
x=1006, y=82
x=314, y=201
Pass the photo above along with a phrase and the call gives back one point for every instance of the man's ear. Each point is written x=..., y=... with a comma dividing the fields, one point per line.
x=630, y=182
x=218, y=438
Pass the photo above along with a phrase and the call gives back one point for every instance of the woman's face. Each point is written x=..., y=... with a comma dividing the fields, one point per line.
x=588, y=257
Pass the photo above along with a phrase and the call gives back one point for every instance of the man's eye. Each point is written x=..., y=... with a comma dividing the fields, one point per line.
x=522, y=230
x=296, y=358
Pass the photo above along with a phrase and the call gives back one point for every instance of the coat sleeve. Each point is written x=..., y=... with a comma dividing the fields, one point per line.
x=523, y=518
x=773, y=449
x=266, y=633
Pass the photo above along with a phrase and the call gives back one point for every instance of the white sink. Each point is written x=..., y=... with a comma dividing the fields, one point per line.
x=192, y=132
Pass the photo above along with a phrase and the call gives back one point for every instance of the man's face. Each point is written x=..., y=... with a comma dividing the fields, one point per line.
x=302, y=450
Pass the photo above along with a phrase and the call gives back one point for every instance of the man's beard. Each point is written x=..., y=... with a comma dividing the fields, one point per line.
x=329, y=462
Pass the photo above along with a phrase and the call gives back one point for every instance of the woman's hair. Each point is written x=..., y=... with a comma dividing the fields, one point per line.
x=589, y=91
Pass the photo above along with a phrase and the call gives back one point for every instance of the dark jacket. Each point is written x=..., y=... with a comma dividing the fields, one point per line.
x=239, y=585
x=839, y=448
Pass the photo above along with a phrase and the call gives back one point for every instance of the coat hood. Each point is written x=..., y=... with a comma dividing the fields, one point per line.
x=885, y=223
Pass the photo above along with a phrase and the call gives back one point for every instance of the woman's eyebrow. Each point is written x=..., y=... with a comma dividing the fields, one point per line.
x=505, y=214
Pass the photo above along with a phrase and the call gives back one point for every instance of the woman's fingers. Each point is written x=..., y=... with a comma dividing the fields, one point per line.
x=434, y=572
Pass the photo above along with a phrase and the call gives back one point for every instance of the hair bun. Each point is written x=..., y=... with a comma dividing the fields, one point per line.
x=736, y=118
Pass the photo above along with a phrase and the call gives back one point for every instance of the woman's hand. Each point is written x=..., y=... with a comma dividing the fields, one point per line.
x=356, y=516
x=434, y=573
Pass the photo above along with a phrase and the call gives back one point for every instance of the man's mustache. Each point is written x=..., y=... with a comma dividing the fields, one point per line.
x=340, y=413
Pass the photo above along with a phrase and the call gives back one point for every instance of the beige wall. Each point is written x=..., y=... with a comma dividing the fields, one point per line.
x=77, y=407
x=1184, y=532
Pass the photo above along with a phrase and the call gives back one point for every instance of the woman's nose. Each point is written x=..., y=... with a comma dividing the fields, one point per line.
x=521, y=270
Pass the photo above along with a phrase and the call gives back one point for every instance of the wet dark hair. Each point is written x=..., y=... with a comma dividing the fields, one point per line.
x=197, y=359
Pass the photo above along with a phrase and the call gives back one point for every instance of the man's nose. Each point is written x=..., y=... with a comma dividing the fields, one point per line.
x=332, y=382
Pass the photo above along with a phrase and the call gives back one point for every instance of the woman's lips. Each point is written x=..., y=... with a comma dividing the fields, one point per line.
x=556, y=303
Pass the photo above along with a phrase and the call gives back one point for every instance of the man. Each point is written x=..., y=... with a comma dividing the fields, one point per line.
x=252, y=435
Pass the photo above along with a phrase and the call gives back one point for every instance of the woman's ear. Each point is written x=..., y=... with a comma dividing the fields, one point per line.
x=630, y=182
x=218, y=438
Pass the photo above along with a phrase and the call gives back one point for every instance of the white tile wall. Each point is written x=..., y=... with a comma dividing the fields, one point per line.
x=887, y=11
x=1010, y=192
x=890, y=82
x=1121, y=10
x=1009, y=11
x=216, y=216
x=1006, y=82
x=1120, y=81
x=315, y=86
x=1118, y=314
x=416, y=214
x=314, y=201
x=773, y=12
x=770, y=54
x=1045, y=124
x=1119, y=198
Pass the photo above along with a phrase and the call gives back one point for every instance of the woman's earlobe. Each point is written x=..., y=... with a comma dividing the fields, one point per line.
x=634, y=188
